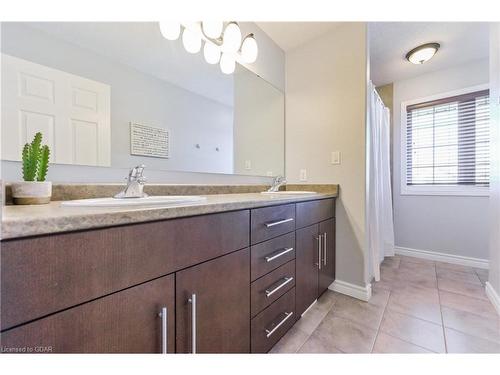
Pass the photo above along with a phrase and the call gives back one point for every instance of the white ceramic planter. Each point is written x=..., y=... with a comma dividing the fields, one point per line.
x=31, y=192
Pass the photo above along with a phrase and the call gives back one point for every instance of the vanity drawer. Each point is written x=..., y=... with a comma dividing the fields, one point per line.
x=270, y=222
x=269, y=288
x=60, y=271
x=269, y=255
x=314, y=211
x=272, y=323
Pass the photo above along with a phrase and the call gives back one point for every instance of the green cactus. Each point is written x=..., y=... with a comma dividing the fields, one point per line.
x=35, y=160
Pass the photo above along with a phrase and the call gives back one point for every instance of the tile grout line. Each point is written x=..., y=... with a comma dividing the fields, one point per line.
x=441, y=311
x=380, y=323
x=309, y=335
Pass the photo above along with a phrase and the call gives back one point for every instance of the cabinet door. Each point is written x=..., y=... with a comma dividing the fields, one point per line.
x=220, y=311
x=306, y=260
x=327, y=271
x=124, y=322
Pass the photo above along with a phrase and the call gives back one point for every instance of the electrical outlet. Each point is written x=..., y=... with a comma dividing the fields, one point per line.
x=335, y=157
x=303, y=175
x=248, y=165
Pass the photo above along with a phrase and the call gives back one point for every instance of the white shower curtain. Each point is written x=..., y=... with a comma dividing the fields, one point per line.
x=380, y=219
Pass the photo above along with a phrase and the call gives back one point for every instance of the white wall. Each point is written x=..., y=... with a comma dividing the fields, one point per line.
x=325, y=112
x=494, y=206
x=455, y=225
x=150, y=93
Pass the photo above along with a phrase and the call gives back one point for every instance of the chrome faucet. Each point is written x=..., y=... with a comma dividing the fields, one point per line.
x=278, y=181
x=135, y=184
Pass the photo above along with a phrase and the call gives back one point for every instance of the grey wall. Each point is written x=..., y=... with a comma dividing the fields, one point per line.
x=149, y=94
x=455, y=225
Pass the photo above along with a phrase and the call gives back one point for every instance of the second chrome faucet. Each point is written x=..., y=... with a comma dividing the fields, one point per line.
x=135, y=184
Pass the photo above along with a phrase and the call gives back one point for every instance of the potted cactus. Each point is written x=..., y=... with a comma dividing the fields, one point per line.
x=34, y=189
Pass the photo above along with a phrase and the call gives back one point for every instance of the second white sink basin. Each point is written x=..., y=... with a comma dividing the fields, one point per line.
x=160, y=200
x=288, y=192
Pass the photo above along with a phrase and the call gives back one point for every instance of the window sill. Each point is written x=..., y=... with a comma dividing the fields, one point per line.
x=446, y=191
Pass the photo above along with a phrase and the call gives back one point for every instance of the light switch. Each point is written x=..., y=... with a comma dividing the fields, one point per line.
x=335, y=157
x=248, y=164
x=303, y=175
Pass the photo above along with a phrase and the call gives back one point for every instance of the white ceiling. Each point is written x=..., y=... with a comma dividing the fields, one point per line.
x=141, y=46
x=390, y=41
x=288, y=35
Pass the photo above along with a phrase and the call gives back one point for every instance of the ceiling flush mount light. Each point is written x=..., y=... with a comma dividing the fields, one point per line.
x=422, y=53
x=223, y=42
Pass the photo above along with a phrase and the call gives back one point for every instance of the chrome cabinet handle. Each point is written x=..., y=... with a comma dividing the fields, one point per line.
x=269, y=293
x=269, y=225
x=164, y=333
x=277, y=255
x=319, y=251
x=270, y=332
x=192, y=300
x=325, y=248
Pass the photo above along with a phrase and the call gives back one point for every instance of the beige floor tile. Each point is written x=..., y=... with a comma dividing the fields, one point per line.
x=423, y=279
x=391, y=262
x=406, y=259
x=482, y=274
x=382, y=285
x=421, y=303
x=420, y=268
x=318, y=344
x=326, y=300
x=472, y=324
x=454, y=267
x=388, y=273
x=313, y=317
x=444, y=273
x=366, y=313
x=338, y=333
x=458, y=342
x=460, y=287
x=388, y=344
x=291, y=342
x=413, y=330
x=472, y=305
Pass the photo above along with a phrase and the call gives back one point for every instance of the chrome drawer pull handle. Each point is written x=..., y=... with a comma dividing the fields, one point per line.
x=270, y=332
x=273, y=257
x=319, y=251
x=269, y=293
x=192, y=300
x=164, y=334
x=269, y=225
x=325, y=247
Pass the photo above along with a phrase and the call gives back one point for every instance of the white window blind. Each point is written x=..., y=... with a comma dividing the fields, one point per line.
x=447, y=141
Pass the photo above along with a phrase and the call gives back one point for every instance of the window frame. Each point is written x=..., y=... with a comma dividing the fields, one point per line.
x=444, y=190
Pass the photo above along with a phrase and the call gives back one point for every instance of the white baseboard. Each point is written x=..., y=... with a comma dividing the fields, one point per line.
x=443, y=257
x=356, y=291
x=493, y=296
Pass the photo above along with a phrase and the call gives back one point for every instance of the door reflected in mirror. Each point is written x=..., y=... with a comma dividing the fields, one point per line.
x=120, y=94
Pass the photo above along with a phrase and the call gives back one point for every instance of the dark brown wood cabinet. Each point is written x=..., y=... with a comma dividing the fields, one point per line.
x=315, y=251
x=125, y=322
x=214, y=299
x=231, y=282
x=326, y=275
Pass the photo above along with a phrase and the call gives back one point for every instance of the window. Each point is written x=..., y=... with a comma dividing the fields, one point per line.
x=447, y=144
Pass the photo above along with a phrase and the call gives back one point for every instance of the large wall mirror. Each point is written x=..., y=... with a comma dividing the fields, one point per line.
x=119, y=94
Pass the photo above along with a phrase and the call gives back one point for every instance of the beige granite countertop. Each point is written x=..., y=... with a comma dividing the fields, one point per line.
x=24, y=221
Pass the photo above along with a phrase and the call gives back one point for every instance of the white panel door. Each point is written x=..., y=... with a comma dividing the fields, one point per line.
x=72, y=112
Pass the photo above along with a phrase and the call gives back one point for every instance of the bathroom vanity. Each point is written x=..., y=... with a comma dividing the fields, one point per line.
x=228, y=275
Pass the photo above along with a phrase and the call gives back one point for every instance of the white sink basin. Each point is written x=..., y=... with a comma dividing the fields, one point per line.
x=288, y=192
x=160, y=200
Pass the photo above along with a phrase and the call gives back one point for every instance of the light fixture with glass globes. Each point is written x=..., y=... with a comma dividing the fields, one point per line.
x=423, y=53
x=223, y=43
